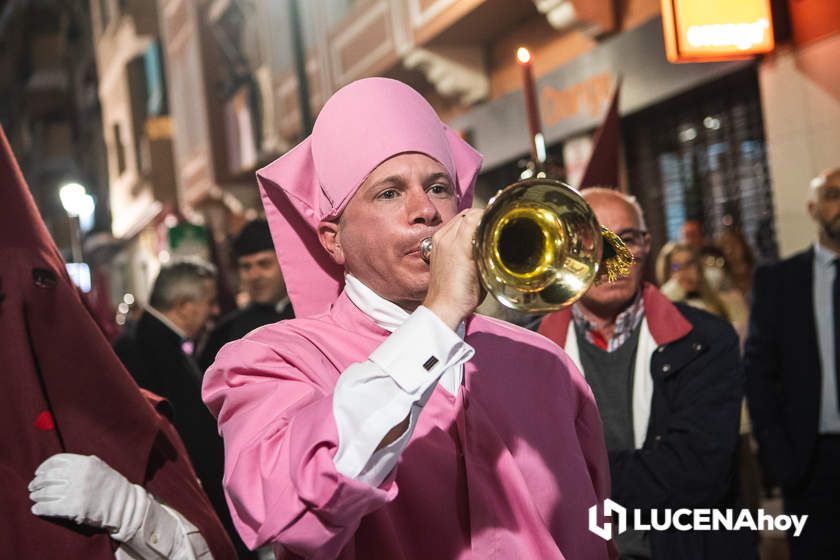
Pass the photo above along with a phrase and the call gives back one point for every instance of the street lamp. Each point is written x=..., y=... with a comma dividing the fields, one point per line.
x=79, y=206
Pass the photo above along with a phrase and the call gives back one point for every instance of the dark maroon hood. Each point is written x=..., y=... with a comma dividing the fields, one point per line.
x=64, y=390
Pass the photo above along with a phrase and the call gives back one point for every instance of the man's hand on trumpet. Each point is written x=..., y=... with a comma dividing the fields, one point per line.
x=454, y=287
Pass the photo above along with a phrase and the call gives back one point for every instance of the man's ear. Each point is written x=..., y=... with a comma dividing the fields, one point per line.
x=329, y=235
x=812, y=209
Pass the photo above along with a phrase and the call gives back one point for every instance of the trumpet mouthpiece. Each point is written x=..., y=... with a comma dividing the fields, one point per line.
x=426, y=249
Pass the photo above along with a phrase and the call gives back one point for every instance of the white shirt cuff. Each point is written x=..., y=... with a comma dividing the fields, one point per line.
x=422, y=348
x=165, y=533
x=394, y=383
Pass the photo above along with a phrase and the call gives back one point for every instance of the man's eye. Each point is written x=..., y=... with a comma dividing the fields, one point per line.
x=439, y=189
x=389, y=194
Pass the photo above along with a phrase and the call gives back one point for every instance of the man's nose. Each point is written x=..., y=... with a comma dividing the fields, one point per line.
x=421, y=209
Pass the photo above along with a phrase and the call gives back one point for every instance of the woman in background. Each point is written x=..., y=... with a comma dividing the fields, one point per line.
x=739, y=258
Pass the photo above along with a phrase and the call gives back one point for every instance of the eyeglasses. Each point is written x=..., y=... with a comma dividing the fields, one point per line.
x=634, y=238
x=678, y=266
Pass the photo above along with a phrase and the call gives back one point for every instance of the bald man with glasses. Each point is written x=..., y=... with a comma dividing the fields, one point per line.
x=668, y=382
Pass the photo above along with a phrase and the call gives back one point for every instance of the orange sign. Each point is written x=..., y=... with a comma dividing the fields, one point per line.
x=710, y=30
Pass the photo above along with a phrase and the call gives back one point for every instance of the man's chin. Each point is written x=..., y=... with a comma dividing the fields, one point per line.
x=417, y=290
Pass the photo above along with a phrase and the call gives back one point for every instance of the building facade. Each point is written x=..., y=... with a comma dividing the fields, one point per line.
x=49, y=107
x=728, y=143
x=137, y=129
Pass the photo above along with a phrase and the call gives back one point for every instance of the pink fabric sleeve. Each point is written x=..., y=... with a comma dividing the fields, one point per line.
x=280, y=439
x=590, y=432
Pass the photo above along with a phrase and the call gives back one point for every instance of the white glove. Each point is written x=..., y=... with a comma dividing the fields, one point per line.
x=86, y=490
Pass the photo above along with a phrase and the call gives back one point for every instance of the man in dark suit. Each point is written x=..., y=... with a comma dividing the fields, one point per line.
x=260, y=277
x=791, y=360
x=157, y=351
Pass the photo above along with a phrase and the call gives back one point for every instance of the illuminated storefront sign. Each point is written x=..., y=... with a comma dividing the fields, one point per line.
x=711, y=30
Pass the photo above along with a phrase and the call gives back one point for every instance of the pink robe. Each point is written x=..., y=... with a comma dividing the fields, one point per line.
x=507, y=469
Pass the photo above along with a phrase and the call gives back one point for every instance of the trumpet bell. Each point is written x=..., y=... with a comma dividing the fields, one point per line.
x=539, y=246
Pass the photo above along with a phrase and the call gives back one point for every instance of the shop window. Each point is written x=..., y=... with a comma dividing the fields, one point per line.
x=702, y=156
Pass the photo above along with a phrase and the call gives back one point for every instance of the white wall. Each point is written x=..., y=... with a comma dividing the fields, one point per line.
x=800, y=93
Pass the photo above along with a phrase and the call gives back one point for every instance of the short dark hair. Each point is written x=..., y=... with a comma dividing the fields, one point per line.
x=180, y=280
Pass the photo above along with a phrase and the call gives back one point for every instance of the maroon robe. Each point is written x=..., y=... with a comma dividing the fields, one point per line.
x=64, y=390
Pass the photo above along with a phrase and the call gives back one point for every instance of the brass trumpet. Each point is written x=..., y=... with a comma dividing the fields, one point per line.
x=539, y=247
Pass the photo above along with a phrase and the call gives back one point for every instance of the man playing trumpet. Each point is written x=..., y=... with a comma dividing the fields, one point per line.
x=388, y=420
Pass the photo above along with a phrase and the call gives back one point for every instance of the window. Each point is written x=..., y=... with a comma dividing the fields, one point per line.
x=702, y=156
